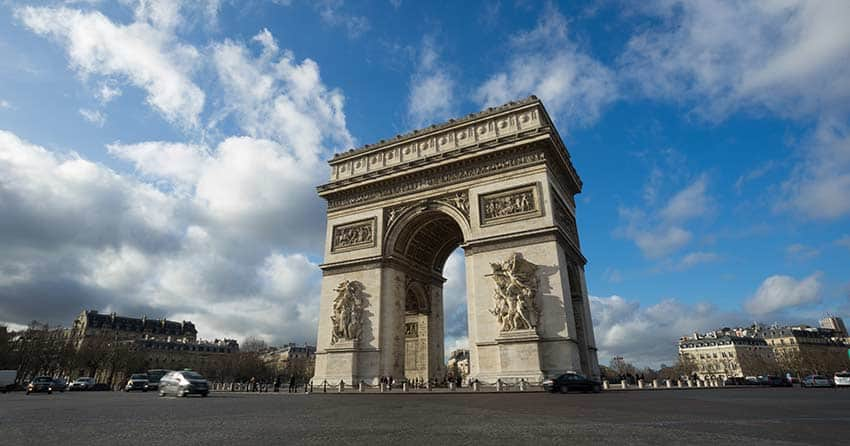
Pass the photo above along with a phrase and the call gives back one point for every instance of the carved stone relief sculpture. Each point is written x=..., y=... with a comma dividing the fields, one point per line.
x=509, y=205
x=359, y=234
x=515, y=304
x=347, y=311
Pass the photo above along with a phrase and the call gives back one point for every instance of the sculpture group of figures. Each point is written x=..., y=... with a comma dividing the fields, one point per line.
x=509, y=205
x=515, y=291
x=353, y=235
x=347, y=311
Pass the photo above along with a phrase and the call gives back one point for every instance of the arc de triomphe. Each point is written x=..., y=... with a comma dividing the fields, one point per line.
x=499, y=184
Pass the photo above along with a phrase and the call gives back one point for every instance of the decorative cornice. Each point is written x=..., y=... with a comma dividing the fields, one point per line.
x=480, y=131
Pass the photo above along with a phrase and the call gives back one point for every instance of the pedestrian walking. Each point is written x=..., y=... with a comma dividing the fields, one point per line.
x=292, y=384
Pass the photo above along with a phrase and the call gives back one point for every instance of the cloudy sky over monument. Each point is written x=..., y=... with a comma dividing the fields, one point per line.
x=161, y=159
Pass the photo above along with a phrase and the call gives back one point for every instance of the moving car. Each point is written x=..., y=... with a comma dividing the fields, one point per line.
x=82, y=383
x=137, y=381
x=183, y=383
x=572, y=381
x=40, y=384
x=842, y=379
x=816, y=381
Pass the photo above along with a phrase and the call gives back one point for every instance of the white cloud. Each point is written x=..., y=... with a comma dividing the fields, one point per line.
x=783, y=292
x=182, y=164
x=647, y=336
x=662, y=231
x=4, y=104
x=819, y=185
x=332, y=14
x=275, y=97
x=107, y=92
x=785, y=57
x=144, y=53
x=432, y=89
x=688, y=203
x=545, y=62
x=96, y=117
x=695, y=258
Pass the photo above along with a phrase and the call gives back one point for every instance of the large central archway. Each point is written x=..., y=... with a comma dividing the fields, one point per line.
x=498, y=184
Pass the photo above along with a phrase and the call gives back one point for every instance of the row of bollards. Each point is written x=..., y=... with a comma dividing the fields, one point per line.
x=656, y=384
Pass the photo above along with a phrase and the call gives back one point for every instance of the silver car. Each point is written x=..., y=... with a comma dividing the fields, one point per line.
x=183, y=383
x=816, y=381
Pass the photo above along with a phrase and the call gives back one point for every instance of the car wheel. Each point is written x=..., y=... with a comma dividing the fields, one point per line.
x=565, y=388
x=50, y=392
x=161, y=393
x=204, y=395
x=596, y=388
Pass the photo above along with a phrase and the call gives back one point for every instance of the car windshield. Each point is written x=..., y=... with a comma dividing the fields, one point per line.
x=818, y=377
x=139, y=376
x=842, y=375
x=83, y=380
x=192, y=375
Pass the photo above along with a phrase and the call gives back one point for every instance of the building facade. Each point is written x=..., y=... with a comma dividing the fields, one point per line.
x=727, y=353
x=291, y=359
x=803, y=349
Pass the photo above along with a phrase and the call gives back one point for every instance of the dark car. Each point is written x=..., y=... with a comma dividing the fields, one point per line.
x=183, y=383
x=572, y=381
x=778, y=381
x=40, y=384
x=137, y=381
x=59, y=384
x=154, y=376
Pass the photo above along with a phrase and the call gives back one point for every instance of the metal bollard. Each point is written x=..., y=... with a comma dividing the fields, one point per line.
x=361, y=386
x=624, y=384
x=668, y=383
x=404, y=387
x=640, y=384
x=451, y=386
x=654, y=383
x=475, y=386
x=499, y=385
x=341, y=386
x=605, y=384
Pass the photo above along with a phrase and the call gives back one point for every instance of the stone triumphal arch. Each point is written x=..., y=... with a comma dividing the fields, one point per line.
x=499, y=184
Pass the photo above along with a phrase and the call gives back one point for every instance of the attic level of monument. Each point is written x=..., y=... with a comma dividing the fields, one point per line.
x=522, y=124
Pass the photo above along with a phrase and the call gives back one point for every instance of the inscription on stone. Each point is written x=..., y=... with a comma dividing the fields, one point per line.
x=513, y=204
x=356, y=235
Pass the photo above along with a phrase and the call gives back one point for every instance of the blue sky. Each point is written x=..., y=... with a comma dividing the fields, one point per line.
x=160, y=158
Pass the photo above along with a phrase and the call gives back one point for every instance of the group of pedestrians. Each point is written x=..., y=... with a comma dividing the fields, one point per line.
x=254, y=385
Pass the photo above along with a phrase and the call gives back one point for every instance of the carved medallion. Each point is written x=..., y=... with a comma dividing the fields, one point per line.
x=515, y=294
x=509, y=205
x=347, y=311
x=356, y=235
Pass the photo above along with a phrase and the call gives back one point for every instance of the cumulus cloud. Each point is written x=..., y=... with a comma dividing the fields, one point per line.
x=220, y=232
x=786, y=57
x=432, y=95
x=144, y=53
x=695, y=258
x=546, y=62
x=783, y=292
x=647, y=336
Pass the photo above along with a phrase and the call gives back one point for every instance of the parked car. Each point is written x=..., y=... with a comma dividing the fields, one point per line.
x=778, y=381
x=183, y=383
x=572, y=381
x=82, y=383
x=59, y=384
x=137, y=381
x=842, y=379
x=816, y=381
x=40, y=384
x=7, y=380
x=154, y=376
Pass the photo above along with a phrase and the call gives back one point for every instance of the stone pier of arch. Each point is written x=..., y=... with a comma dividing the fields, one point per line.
x=500, y=185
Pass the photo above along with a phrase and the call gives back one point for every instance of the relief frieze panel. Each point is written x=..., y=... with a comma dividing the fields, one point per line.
x=510, y=205
x=355, y=235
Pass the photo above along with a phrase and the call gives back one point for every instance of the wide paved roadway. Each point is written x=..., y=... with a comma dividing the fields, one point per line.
x=721, y=416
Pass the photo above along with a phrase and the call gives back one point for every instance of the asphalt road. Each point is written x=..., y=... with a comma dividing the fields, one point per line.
x=721, y=416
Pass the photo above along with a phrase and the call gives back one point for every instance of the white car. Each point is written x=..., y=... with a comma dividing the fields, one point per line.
x=842, y=379
x=82, y=383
